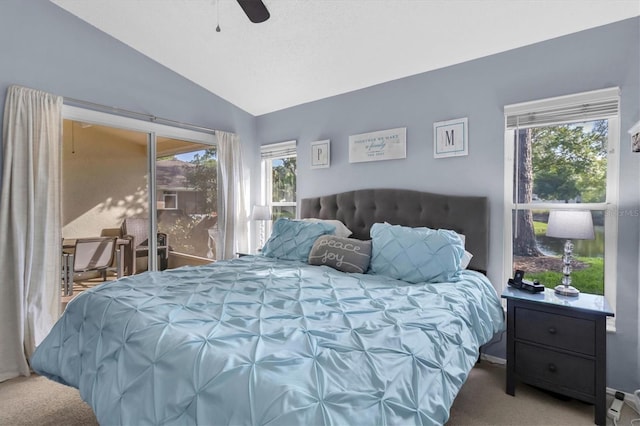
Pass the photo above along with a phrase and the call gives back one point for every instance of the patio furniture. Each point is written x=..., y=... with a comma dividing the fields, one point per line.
x=137, y=231
x=89, y=254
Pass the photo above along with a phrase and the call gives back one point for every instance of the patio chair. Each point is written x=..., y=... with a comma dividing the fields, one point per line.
x=137, y=231
x=87, y=255
x=94, y=254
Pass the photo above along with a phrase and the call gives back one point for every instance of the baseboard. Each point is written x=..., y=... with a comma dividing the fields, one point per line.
x=495, y=360
x=629, y=398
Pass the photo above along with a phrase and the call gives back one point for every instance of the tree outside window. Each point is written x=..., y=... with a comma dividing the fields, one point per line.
x=560, y=164
x=193, y=177
x=283, y=184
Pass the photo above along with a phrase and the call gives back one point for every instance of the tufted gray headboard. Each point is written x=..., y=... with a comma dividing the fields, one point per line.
x=358, y=210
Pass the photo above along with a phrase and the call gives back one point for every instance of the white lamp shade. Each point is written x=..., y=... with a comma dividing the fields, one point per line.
x=570, y=224
x=261, y=213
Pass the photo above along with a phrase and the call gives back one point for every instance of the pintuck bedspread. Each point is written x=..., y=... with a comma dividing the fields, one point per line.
x=258, y=341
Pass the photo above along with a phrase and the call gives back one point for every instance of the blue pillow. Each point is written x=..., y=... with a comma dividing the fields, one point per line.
x=293, y=239
x=415, y=254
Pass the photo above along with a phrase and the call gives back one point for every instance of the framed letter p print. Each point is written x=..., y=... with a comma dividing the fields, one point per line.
x=450, y=138
x=320, y=154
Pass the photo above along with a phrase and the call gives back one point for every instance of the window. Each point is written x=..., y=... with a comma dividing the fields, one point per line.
x=561, y=153
x=279, y=179
x=170, y=200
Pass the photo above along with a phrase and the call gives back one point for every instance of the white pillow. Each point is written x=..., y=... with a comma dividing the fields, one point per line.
x=466, y=257
x=341, y=229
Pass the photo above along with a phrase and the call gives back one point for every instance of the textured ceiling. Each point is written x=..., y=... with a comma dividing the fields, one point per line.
x=313, y=49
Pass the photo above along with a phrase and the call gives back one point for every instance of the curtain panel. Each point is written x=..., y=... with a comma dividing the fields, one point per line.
x=30, y=225
x=232, y=218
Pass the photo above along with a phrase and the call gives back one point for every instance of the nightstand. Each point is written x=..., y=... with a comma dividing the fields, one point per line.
x=558, y=343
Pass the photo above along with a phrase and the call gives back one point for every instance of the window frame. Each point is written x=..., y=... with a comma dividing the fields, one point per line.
x=153, y=130
x=268, y=153
x=609, y=206
x=166, y=194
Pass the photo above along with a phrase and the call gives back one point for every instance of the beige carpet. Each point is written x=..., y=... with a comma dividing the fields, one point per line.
x=38, y=401
x=482, y=401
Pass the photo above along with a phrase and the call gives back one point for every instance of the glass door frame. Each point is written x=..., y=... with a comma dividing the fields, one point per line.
x=152, y=130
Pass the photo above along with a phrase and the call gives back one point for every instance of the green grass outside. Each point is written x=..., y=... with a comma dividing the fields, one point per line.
x=540, y=228
x=588, y=280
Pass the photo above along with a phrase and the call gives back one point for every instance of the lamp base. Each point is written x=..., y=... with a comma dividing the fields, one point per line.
x=567, y=290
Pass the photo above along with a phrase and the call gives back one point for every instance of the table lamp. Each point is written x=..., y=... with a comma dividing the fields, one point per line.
x=570, y=225
x=261, y=213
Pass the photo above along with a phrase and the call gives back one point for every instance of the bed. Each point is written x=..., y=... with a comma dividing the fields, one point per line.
x=266, y=340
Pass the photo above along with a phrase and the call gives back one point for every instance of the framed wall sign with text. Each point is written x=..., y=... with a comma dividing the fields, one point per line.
x=388, y=144
x=451, y=138
x=320, y=154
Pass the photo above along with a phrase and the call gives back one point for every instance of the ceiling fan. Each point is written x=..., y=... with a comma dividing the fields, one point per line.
x=255, y=10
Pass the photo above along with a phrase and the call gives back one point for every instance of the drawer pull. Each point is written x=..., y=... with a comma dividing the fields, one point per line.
x=552, y=330
x=552, y=368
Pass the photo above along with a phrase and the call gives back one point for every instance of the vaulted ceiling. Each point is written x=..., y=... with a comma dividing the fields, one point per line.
x=313, y=49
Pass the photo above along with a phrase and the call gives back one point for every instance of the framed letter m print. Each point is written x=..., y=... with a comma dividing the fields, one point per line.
x=450, y=138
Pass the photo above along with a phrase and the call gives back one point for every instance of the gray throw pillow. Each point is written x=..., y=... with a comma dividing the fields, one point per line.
x=343, y=254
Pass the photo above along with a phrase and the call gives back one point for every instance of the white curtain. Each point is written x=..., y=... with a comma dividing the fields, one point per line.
x=30, y=225
x=232, y=218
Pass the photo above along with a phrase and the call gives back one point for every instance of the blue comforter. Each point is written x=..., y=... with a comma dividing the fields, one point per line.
x=256, y=341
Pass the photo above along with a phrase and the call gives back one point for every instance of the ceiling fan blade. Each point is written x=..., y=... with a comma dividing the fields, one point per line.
x=256, y=10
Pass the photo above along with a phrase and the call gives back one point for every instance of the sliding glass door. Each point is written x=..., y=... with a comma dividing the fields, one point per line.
x=130, y=179
x=186, y=199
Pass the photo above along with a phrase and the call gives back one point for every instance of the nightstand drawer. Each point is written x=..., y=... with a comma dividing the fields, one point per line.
x=559, y=331
x=557, y=371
